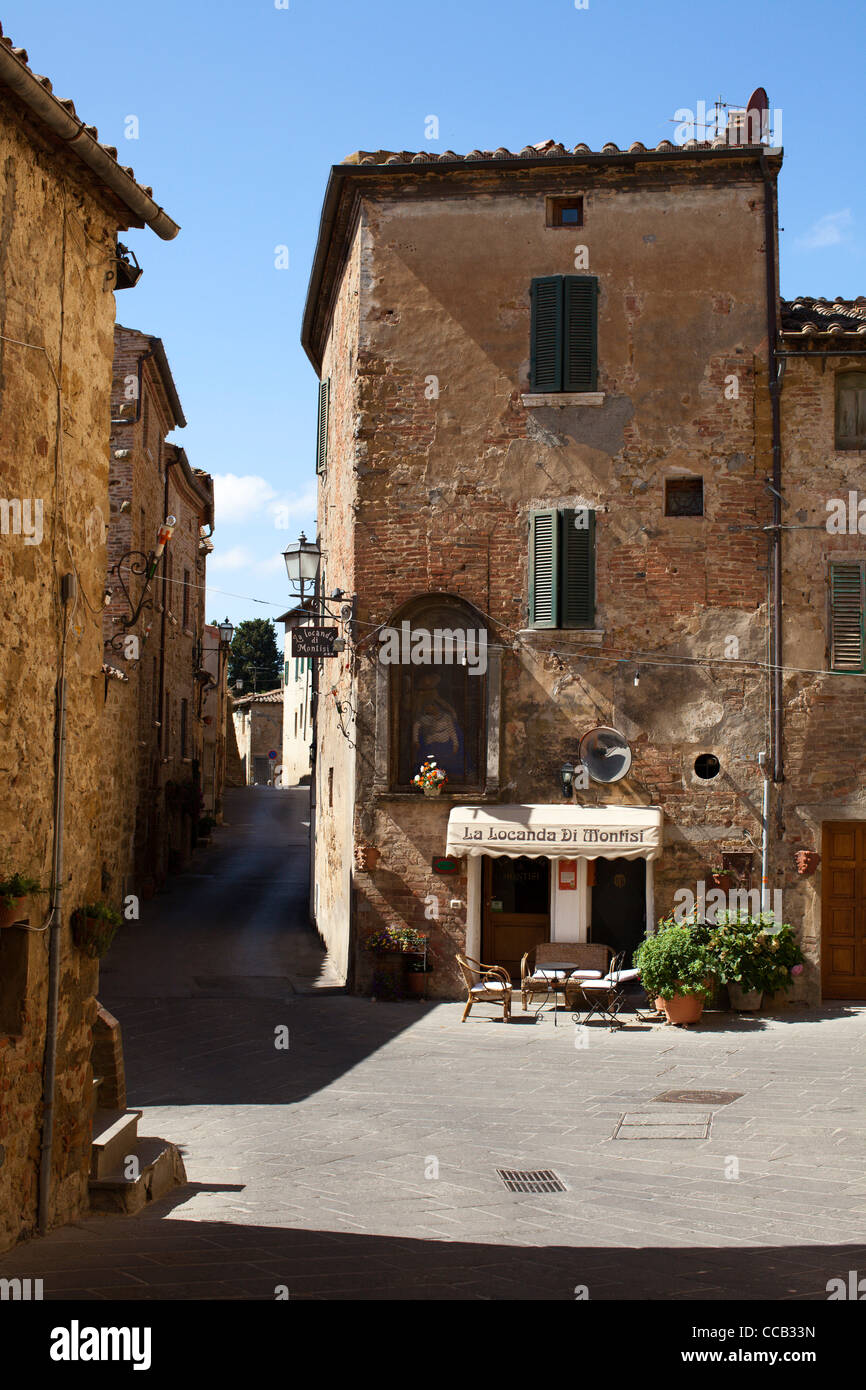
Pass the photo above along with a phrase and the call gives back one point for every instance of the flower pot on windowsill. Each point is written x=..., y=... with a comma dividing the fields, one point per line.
x=434, y=790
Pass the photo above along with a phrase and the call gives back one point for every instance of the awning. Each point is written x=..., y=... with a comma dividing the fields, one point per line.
x=556, y=832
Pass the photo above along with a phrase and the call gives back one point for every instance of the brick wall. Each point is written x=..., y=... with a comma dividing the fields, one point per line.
x=433, y=495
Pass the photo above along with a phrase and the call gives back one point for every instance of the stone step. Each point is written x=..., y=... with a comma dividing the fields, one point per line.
x=159, y=1168
x=115, y=1134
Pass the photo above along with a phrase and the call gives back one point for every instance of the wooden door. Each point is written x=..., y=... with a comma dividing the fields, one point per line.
x=843, y=910
x=516, y=910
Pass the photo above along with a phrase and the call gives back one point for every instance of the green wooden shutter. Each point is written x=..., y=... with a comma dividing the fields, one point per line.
x=577, y=568
x=545, y=355
x=322, y=435
x=847, y=647
x=580, y=333
x=544, y=569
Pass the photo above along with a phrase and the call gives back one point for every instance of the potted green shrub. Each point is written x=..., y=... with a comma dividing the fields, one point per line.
x=676, y=968
x=755, y=955
x=94, y=928
x=13, y=891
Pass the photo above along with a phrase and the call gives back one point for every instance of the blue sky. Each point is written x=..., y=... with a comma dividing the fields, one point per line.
x=243, y=106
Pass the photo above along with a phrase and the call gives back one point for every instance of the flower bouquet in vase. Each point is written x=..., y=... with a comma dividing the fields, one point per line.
x=430, y=778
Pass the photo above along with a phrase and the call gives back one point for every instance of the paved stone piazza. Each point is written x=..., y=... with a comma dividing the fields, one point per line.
x=316, y=1168
x=361, y=1161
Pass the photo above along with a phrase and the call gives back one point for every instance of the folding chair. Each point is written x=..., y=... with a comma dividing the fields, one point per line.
x=606, y=997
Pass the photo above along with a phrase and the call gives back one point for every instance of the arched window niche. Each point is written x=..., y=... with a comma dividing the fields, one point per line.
x=438, y=680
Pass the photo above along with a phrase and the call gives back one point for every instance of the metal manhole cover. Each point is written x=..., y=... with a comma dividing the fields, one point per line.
x=699, y=1097
x=532, y=1180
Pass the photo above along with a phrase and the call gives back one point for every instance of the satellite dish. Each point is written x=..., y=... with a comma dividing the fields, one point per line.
x=757, y=117
x=605, y=754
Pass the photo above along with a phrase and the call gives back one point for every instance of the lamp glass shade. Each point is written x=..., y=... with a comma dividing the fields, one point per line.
x=302, y=560
x=227, y=631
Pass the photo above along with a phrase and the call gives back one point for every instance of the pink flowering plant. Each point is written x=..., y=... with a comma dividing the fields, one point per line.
x=430, y=775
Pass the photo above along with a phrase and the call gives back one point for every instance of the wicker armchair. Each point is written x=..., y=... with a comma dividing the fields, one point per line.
x=585, y=955
x=485, y=984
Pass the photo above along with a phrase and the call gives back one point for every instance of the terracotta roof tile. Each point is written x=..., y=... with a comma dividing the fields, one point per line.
x=809, y=318
x=544, y=149
x=69, y=107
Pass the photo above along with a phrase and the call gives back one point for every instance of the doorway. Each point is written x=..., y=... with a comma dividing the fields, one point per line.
x=618, y=910
x=843, y=910
x=516, y=910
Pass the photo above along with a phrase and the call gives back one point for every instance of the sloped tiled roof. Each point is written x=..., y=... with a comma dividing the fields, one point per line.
x=264, y=697
x=58, y=116
x=813, y=318
x=545, y=149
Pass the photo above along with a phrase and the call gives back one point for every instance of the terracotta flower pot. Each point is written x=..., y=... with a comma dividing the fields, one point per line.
x=807, y=861
x=744, y=1000
x=416, y=983
x=8, y=915
x=683, y=1008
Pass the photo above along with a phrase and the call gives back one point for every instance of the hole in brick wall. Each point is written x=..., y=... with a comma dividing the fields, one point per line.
x=707, y=766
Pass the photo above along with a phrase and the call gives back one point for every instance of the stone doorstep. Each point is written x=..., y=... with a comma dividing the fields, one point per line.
x=160, y=1169
x=114, y=1135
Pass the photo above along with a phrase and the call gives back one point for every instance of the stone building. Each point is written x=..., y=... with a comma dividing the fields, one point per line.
x=65, y=199
x=157, y=780
x=823, y=436
x=258, y=722
x=214, y=716
x=548, y=427
x=297, y=704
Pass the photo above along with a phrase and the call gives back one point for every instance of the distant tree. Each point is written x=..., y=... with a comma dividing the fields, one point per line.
x=254, y=657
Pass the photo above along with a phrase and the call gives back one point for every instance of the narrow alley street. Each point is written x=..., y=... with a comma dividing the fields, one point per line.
x=361, y=1162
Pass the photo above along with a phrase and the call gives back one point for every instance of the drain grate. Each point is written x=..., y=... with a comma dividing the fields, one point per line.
x=699, y=1097
x=531, y=1180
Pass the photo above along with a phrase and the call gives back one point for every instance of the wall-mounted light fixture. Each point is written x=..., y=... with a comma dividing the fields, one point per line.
x=566, y=778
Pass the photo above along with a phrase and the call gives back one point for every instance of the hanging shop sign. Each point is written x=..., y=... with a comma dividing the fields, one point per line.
x=314, y=641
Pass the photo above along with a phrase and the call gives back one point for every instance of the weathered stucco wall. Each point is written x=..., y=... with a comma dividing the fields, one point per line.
x=338, y=490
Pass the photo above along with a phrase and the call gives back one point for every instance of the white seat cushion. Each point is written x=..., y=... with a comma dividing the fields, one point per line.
x=622, y=977
x=489, y=989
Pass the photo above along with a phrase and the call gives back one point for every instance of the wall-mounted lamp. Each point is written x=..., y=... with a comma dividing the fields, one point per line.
x=227, y=632
x=566, y=778
x=637, y=675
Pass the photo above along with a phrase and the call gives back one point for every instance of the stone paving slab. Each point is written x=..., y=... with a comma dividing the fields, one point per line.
x=326, y=1184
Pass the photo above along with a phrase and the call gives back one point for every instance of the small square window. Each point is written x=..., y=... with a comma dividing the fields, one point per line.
x=684, y=496
x=565, y=212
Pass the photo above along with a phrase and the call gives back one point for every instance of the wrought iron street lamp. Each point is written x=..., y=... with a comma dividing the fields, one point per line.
x=302, y=562
x=227, y=632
